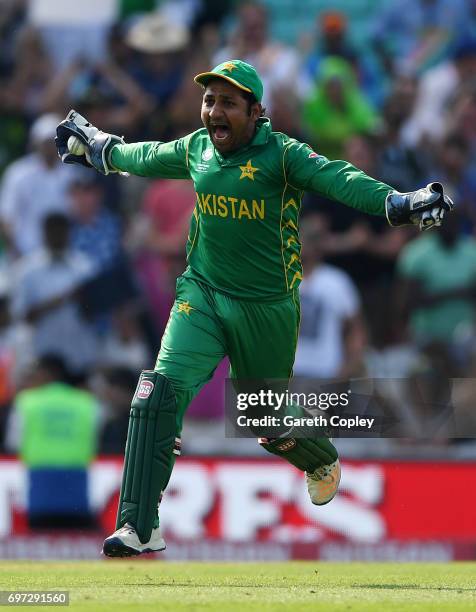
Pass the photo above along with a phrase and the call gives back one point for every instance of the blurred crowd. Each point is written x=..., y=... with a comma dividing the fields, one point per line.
x=88, y=263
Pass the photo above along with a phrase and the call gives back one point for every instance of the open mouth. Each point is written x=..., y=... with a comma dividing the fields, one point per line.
x=220, y=132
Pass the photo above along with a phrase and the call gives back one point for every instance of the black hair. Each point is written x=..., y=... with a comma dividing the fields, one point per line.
x=251, y=99
x=121, y=377
x=456, y=141
x=56, y=220
x=55, y=365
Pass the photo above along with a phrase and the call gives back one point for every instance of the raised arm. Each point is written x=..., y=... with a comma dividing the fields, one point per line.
x=79, y=142
x=162, y=159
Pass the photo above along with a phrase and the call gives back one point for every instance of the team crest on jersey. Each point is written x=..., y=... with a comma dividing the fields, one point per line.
x=248, y=171
x=207, y=154
x=313, y=154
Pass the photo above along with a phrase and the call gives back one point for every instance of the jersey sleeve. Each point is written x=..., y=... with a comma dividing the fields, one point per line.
x=159, y=159
x=338, y=180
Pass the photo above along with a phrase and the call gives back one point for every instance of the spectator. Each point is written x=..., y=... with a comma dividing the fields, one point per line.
x=286, y=114
x=12, y=18
x=15, y=356
x=95, y=230
x=183, y=12
x=332, y=334
x=203, y=431
x=44, y=295
x=276, y=63
x=168, y=224
x=336, y=109
x=158, y=237
x=14, y=130
x=13, y=121
x=15, y=350
x=463, y=118
x=211, y=13
x=412, y=35
x=32, y=187
x=366, y=250
x=332, y=38
x=159, y=66
x=124, y=345
x=434, y=104
x=70, y=29
x=102, y=90
x=53, y=427
x=438, y=288
x=457, y=170
x=31, y=73
x=400, y=163
x=203, y=20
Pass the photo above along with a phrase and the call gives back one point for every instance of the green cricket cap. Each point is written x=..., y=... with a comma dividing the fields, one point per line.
x=238, y=73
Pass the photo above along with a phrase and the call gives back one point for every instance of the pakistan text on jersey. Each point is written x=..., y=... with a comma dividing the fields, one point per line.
x=227, y=206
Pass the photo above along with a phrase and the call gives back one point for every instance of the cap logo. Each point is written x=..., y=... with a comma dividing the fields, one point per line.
x=229, y=66
x=313, y=154
x=145, y=389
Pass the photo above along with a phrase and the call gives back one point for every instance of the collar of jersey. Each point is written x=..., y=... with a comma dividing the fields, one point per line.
x=263, y=130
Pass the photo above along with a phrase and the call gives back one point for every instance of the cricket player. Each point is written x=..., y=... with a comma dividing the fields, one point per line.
x=239, y=294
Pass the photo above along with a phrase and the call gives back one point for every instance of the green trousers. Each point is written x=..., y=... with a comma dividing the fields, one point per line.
x=259, y=339
x=204, y=326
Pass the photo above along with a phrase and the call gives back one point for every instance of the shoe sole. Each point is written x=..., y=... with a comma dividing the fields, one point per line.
x=116, y=548
x=326, y=502
x=329, y=500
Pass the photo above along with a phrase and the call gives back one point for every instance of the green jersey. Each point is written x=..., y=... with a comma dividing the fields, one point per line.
x=244, y=237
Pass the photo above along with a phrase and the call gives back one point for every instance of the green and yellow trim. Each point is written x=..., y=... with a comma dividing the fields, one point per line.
x=205, y=77
x=291, y=202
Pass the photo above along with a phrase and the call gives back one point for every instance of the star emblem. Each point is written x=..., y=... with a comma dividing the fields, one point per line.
x=248, y=171
x=185, y=307
x=229, y=66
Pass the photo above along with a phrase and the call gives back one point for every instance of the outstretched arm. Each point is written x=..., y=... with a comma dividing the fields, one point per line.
x=334, y=179
x=341, y=181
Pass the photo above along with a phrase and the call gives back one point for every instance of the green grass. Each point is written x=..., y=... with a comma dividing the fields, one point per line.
x=119, y=585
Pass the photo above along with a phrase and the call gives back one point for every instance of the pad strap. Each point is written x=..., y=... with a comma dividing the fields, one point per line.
x=100, y=148
x=304, y=453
